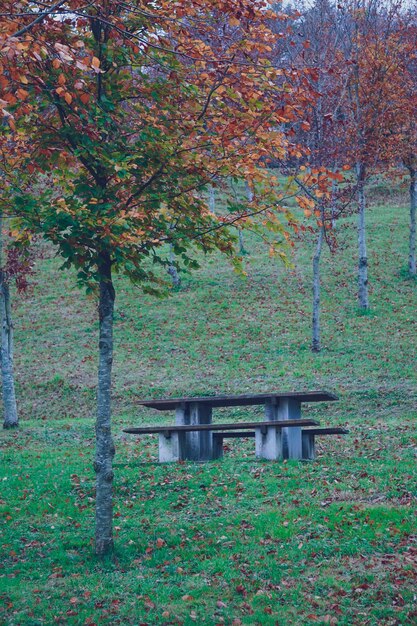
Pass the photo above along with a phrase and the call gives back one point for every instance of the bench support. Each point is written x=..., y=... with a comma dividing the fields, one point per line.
x=269, y=443
x=171, y=447
x=309, y=446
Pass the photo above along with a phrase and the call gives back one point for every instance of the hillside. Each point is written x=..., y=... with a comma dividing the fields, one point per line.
x=236, y=541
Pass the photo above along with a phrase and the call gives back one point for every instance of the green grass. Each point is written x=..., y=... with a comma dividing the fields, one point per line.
x=236, y=541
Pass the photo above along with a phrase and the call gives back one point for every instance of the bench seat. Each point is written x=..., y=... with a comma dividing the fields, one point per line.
x=186, y=428
x=269, y=443
x=309, y=439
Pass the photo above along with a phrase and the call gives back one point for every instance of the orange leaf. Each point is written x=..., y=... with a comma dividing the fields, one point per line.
x=95, y=63
x=68, y=98
x=22, y=94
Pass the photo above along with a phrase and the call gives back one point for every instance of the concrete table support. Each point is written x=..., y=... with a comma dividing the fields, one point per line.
x=198, y=446
x=171, y=447
x=286, y=444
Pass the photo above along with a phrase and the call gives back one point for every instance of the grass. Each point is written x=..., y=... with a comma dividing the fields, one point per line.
x=236, y=541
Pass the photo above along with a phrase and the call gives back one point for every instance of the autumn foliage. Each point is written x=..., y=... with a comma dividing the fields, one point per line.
x=128, y=111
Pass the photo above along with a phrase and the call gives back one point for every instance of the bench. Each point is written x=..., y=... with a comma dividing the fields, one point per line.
x=309, y=439
x=172, y=445
x=308, y=436
x=269, y=443
x=197, y=441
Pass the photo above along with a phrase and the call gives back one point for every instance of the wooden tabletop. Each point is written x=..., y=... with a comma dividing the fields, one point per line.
x=165, y=404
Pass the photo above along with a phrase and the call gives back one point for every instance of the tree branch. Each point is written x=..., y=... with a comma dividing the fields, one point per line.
x=40, y=18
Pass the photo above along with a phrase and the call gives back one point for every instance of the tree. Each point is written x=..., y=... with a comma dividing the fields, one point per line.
x=313, y=51
x=10, y=419
x=129, y=111
x=372, y=55
x=411, y=165
x=407, y=30
x=14, y=266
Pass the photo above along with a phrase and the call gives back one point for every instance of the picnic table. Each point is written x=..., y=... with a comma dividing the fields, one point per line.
x=195, y=437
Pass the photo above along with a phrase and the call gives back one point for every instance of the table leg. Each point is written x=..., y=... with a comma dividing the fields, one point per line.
x=198, y=445
x=287, y=409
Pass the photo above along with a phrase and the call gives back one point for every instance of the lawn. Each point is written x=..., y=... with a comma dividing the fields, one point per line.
x=235, y=541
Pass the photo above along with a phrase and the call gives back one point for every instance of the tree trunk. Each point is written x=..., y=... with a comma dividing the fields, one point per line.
x=172, y=270
x=249, y=196
x=212, y=198
x=333, y=205
x=413, y=205
x=104, y=443
x=242, y=249
x=316, y=344
x=363, y=258
x=11, y=419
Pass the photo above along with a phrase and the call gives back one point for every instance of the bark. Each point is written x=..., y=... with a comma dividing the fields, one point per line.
x=104, y=443
x=249, y=191
x=363, y=257
x=212, y=198
x=316, y=343
x=249, y=196
x=242, y=248
x=172, y=270
x=333, y=206
x=413, y=205
x=11, y=419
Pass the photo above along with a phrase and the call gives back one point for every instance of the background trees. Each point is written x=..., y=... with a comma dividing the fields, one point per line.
x=373, y=103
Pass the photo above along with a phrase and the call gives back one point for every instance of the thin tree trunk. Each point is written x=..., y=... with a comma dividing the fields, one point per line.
x=104, y=443
x=242, y=248
x=249, y=196
x=11, y=419
x=249, y=191
x=413, y=205
x=363, y=258
x=333, y=206
x=316, y=343
x=172, y=270
x=212, y=198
